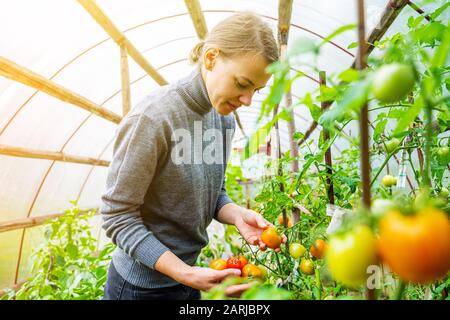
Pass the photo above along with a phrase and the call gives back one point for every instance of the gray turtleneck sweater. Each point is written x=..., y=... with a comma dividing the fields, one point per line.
x=153, y=201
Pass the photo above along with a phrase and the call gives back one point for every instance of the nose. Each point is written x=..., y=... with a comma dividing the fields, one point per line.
x=246, y=99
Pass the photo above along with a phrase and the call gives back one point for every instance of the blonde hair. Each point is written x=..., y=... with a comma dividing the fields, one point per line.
x=243, y=32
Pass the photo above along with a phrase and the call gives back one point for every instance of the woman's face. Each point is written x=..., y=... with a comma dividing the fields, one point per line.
x=231, y=82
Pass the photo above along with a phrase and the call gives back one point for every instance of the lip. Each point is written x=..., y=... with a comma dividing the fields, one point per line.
x=232, y=107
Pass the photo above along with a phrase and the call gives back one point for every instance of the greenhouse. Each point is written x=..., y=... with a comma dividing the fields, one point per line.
x=224, y=150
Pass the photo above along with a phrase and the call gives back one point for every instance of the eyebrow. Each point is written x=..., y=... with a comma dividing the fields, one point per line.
x=251, y=82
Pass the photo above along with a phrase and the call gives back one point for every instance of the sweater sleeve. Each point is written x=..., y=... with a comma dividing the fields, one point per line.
x=138, y=148
x=228, y=138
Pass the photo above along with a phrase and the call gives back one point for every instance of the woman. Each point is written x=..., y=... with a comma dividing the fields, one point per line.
x=162, y=191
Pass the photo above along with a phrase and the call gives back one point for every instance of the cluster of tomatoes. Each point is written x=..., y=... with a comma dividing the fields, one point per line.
x=248, y=270
x=416, y=247
x=317, y=251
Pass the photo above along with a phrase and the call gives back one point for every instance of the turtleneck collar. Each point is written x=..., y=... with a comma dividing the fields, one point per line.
x=193, y=90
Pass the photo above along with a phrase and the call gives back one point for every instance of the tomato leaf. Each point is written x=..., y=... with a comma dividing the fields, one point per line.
x=408, y=116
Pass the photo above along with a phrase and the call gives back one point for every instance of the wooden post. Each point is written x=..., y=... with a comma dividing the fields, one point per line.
x=390, y=13
x=419, y=10
x=33, y=221
x=49, y=155
x=126, y=96
x=195, y=11
x=284, y=22
x=326, y=137
x=20, y=74
x=102, y=19
x=364, y=120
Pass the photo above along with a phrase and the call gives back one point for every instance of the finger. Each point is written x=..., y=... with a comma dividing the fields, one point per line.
x=262, y=246
x=262, y=223
x=253, y=240
x=228, y=272
x=277, y=249
x=237, y=290
x=283, y=238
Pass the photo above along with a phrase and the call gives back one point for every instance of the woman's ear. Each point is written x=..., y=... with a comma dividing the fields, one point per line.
x=210, y=58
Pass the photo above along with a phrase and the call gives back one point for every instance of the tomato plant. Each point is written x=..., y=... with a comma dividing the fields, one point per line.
x=406, y=90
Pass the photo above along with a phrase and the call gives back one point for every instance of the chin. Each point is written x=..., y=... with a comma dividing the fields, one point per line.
x=224, y=111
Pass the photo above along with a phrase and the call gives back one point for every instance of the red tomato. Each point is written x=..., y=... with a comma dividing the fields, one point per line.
x=234, y=263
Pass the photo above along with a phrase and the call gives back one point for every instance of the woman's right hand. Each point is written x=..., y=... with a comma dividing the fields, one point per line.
x=206, y=278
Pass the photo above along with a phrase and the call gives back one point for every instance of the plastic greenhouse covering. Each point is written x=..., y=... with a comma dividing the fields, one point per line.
x=60, y=41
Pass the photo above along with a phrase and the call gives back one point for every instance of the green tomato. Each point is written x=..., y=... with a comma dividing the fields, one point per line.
x=391, y=145
x=393, y=82
x=389, y=181
x=443, y=152
x=296, y=250
x=350, y=254
x=380, y=206
x=443, y=193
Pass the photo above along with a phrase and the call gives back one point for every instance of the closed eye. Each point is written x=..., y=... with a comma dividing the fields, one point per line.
x=240, y=85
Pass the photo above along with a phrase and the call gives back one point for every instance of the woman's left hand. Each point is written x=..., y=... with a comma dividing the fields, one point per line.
x=251, y=225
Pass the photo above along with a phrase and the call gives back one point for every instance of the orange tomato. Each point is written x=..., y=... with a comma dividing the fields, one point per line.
x=416, y=247
x=218, y=264
x=271, y=238
x=243, y=261
x=281, y=220
x=252, y=271
x=317, y=250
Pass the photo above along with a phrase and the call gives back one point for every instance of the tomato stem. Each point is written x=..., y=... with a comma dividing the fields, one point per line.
x=318, y=285
x=400, y=289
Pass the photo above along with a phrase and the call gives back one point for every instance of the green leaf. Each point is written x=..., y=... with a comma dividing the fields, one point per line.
x=349, y=75
x=284, y=115
x=414, y=22
x=338, y=32
x=298, y=136
x=300, y=46
x=352, y=45
x=315, y=111
x=313, y=108
x=327, y=93
x=354, y=97
x=440, y=57
x=430, y=33
x=379, y=129
x=409, y=116
x=439, y=11
x=72, y=250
